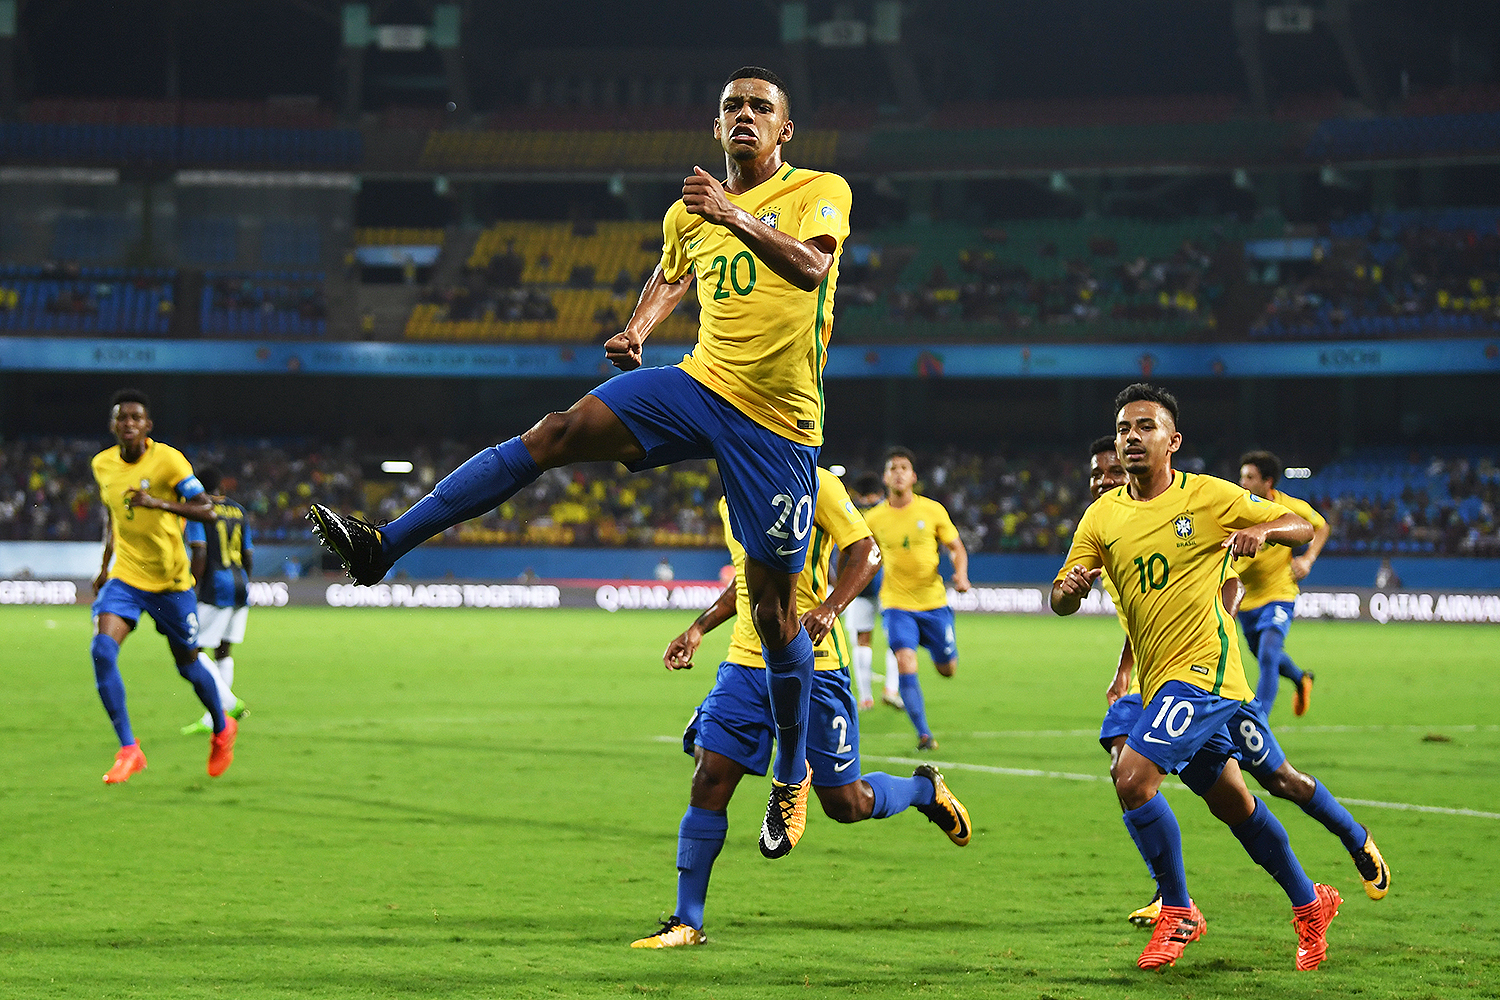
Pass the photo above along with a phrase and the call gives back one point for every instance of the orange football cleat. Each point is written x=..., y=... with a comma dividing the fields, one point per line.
x=1176, y=928
x=1312, y=923
x=128, y=761
x=221, y=747
x=1302, y=697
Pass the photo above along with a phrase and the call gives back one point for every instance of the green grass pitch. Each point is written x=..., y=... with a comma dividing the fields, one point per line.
x=485, y=804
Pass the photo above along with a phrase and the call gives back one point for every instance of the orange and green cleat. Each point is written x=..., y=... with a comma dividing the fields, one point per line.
x=1176, y=928
x=221, y=748
x=1373, y=871
x=1312, y=923
x=786, y=817
x=1302, y=697
x=673, y=934
x=925, y=743
x=128, y=761
x=1146, y=915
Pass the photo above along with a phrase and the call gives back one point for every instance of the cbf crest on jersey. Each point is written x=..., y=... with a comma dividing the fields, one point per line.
x=770, y=217
x=1182, y=526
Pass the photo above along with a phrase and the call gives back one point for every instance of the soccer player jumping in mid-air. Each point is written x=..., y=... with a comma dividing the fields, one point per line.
x=730, y=733
x=146, y=486
x=1255, y=745
x=1166, y=540
x=764, y=246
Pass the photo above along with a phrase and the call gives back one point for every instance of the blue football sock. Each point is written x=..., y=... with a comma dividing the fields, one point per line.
x=1268, y=659
x=1266, y=842
x=106, y=654
x=1155, y=831
x=205, y=687
x=1327, y=810
x=700, y=837
x=478, y=486
x=893, y=794
x=1137, y=838
x=789, y=676
x=916, y=707
x=1288, y=669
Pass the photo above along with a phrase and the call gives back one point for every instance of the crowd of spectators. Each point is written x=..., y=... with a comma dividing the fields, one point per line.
x=302, y=298
x=1004, y=504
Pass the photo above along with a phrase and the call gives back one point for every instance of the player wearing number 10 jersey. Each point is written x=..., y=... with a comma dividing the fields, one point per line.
x=763, y=246
x=1166, y=539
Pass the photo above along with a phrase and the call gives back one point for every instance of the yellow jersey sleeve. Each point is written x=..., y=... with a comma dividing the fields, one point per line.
x=762, y=341
x=910, y=539
x=150, y=554
x=1268, y=574
x=834, y=518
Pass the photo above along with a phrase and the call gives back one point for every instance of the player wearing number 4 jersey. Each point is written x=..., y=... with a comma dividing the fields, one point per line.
x=764, y=246
x=1256, y=747
x=1165, y=539
x=223, y=557
x=731, y=732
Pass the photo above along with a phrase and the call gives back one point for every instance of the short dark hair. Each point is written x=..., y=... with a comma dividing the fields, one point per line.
x=761, y=73
x=210, y=477
x=1106, y=443
x=1268, y=464
x=901, y=453
x=1148, y=393
x=130, y=396
x=868, y=483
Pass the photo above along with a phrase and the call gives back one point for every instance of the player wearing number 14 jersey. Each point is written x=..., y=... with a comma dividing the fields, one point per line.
x=223, y=557
x=1165, y=539
x=763, y=246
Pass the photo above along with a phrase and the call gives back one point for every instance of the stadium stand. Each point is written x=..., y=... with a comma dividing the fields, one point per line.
x=86, y=300
x=264, y=304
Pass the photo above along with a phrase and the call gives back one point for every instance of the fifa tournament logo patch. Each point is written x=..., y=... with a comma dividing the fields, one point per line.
x=826, y=211
x=1182, y=526
x=771, y=217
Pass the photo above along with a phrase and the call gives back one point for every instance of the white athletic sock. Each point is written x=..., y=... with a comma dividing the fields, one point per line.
x=226, y=670
x=892, y=675
x=863, y=675
x=226, y=696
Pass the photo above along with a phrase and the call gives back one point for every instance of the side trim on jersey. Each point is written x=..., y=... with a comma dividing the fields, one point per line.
x=1219, y=614
x=818, y=346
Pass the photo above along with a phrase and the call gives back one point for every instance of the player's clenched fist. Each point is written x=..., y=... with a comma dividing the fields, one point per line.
x=703, y=195
x=623, y=350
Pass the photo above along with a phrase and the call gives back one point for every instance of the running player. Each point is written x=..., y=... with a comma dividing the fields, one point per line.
x=910, y=529
x=730, y=734
x=1255, y=745
x=765, y=246
x=147, y=488
x=222, y=562
x=859, y=617
x=1163, y=540
x=1271, y=588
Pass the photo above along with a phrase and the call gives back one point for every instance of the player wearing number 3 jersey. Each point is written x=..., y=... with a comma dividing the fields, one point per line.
x=764, y=247
x=1165, y=540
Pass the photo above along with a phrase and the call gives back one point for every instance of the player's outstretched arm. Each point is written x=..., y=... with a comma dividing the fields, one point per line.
x=1288, y=529
x=1303, y=564
x=857, y=565
x=1069, y=592
x=960, y=557
x=679, y=654
x=658, y=298
x=805, y=265
x=199, y=508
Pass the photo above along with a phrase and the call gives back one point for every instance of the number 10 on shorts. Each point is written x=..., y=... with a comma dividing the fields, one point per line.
x=1176, y=716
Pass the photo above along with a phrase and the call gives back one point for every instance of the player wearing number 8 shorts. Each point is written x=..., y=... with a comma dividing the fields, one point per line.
x=1165, y=539
x=1255, y=744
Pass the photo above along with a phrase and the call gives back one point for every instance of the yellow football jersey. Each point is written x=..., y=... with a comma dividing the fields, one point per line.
x=149, y=551
x=1268, y=577
x=836, y=524
x=909, y=538
x=762, y=341
x=1166, y=555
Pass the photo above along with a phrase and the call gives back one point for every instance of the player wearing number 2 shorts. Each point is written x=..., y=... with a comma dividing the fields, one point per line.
x=1165, y=539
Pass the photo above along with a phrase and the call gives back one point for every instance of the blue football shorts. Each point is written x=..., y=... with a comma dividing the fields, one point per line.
x=1276, y=616
x=735, y=721
x=174, y=611
x=769, y=481
x=932, y=630
x=1183, y=724
x=1255, y=745
x=1120, y=719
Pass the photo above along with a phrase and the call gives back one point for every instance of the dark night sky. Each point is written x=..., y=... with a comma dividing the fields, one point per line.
x=254, y=48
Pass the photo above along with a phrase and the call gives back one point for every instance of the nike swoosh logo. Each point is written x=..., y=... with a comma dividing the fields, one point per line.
x=1152, y=739
x=1108, y=544
x=787, y=552
x=770, y=843
x=839, y=767
x=696, y=242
